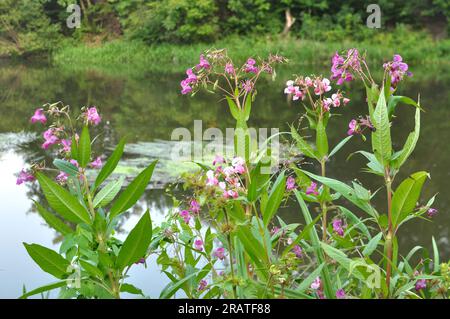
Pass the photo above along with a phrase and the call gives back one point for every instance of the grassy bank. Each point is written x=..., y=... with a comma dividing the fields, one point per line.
x=175, y=58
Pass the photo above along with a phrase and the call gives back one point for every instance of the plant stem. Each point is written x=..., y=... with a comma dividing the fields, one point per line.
x=230, y=252
x=389, y=236
x=324, y=205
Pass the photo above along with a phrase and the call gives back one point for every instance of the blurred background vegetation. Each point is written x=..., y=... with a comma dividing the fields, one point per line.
x=176, y=30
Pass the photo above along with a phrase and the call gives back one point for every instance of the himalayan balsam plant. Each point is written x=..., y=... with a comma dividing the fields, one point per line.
x=85, y=205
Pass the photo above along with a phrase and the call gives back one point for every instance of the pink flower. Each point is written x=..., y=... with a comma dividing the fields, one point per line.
x=92, y=116
x=195, y=206
x=24, y=176
x=203, y=64
x=397, y=69
x=290, y=183
x=74, y=162
x=186, y=216
x=312, y=189
x=250, y=66
x=346, y=100
x=294, y=91
x=420, y=284
x=309, y=82
x=230, y=194
x=211, y=179
x=337, y=227
x=341, y=67
x=66, y=144
x=198, y=244
x=298, y=251
x=247, y=85
x=352, y=127
x=316, y=283
x=229, y=68
x=274, y=230
x=202, y=285
x=39, y=116
x=219, y=253
x=62, y=177
x=50, y=138
x=228, y=171
x=218, y=160
x=431, y=212
x=185, y=88
x=97, y=163
x=321, y=86
x=340, y=294
x=336, y=100
x=326, y=103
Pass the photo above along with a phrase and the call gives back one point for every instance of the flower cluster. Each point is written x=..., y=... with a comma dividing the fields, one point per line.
x=227, y=176
x=396, y=69
x=194, y=209
x=338, y=227
x=342, y=67
x=358, y=126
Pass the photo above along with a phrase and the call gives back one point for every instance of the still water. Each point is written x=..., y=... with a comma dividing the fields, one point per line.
x=147, y=107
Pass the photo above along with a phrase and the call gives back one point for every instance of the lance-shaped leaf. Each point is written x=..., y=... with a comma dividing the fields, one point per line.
x=84, y=148
x=321, y=139
x=381, y=137
x=235, y=112
x=110, y=164
x=406, y=196
x=275, y=198
x=410, y=143
x=107, y=193
x=62, y=201
x=302, y=145
x=45, y=288
x=137, y=242
x=66, y=167
x=133, y=192
x=48, y=260
x=395, y=99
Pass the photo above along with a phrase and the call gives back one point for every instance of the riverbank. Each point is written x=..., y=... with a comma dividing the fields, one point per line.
x=174, y=58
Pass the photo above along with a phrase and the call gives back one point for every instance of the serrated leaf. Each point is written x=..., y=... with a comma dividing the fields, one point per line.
x=321, y=139
x=275, y=198
x=302, y=145
x=133, y=192
x=372, y=245
x=137, y=242
x=84, y=148
x=381, y=137
x=53, y=221
x=48, y=260
x=129, y=288
x=107, y=193
x=110, y=164
x=235, y=112
x=410, y=143
x=339, y=145
x=66, y=167
x=62, y=201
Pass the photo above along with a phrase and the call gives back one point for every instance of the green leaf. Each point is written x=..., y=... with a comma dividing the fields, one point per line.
x=235, y=112
x=66, y=167
x=107, y=193
x=381, y=137
x=62, y=201
x=275, y=198
x=84, y=148
x=321, y=139
x=45, y=288
x=410, y=143
x=129, y=288
x=252, y=247
x=173, y=287
x=133, y=192
x=91, y=269
x=74, y=149
x=395, y=99
x=48, y=260
x=53, y=221
x=110, y=164
x=355, y=221
x=346, y=191
x=339, y=146
x=342, y=259
x=406, y=196
x=137, y=242
x=306, y=283
x=247, y=107
x=372, y=245
x=302, y=145
x=436, y=263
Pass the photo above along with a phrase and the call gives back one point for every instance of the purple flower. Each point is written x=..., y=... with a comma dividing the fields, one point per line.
x=185, y=87
x=97, y=163
x=337, y=227
x=218, y=160
x=195, y=207
x=39, y=116
x=202, y=285
x=250, y=66
x=312, y=189
x=316, y=283
x=186, y=216
x=50, y=138
x=352, y=127
x=247, y=85
x=24, y=176
x=198, y=244
x=92, y=116
x=62, y=177
x=140, y=261
x=397, y=69
x=340, y=294
x=431, y=212
x=229, y=68
x=298, y=251
x=341, y=67
x=219, y=253
x=420, y=284
x=66, y=144
x=74, y=162
x=211, y=179
x=204, y=64
x=274, y=230
x=290, y=183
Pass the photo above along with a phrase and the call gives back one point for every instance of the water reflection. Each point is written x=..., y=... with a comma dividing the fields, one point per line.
x=147, y=107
